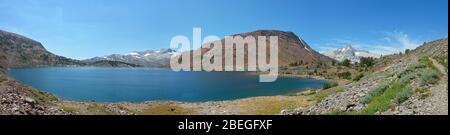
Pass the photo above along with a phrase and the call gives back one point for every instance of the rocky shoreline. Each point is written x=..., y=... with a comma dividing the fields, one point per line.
x=17, y=99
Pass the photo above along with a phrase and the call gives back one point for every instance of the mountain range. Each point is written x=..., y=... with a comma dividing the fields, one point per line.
x=19, y=51
x=149, y=58
x=291, y=49
x=349, y=53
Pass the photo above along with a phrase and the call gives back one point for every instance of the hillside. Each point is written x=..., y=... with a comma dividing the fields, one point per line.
x=435, y=48
x=107, y=63
x=412, y=83
x=291, y=49
x=20, y=51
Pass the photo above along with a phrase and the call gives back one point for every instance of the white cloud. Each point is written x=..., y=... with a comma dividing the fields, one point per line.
x=387, y=43
x=401, y=38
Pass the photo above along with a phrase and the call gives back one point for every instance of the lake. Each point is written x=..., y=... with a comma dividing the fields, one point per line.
x=147, y=84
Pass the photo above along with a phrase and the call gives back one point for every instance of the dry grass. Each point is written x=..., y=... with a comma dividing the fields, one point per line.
x=166, y=109
x=271, y=105
x=85, y=108
x=99, y=110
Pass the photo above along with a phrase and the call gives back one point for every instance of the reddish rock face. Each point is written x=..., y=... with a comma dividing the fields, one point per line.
x=291, y=48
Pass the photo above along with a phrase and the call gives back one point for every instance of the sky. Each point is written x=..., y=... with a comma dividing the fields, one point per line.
x=82, y=29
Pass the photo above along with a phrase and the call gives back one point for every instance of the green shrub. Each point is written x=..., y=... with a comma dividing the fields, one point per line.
x=426, y=61
x=366, y=62
x=406, y=76
x=382, y=102
x=358, y=77
x=405, y=92
x=345, y=62
x=423, y=92
x=397, y=92
x=293, y=64
x=403, y=95
x=339, y=89
x=345, y=75
x=328, y=85
x=407, y=51
x=377, y=91
x=429, y=76
x=321, y=95
x=419, y=65
x=366, y=99
x=443, y=60
x=3, y=78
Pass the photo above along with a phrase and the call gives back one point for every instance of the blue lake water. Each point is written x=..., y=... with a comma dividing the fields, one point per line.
x=146, y=84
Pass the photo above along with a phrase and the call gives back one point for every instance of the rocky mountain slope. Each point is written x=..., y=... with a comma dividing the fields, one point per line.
x=433, y=48
x=20, y=51
x=149, y=58
x=19, y=99
x=349, y=53
x=412, y=83
x=291, y=48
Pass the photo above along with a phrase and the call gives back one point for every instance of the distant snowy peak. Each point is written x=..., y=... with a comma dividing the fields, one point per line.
x=133, y=53
x=350, y=53
x=149, y=58
x=151, y=52
x=349, y=48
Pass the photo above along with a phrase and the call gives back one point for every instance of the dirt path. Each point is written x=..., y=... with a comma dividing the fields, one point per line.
x=439, y=93
x=440, y=67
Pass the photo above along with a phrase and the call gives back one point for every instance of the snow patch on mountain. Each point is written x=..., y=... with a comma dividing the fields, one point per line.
x=149, y=58
x=133, y=53
x=350, y=53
